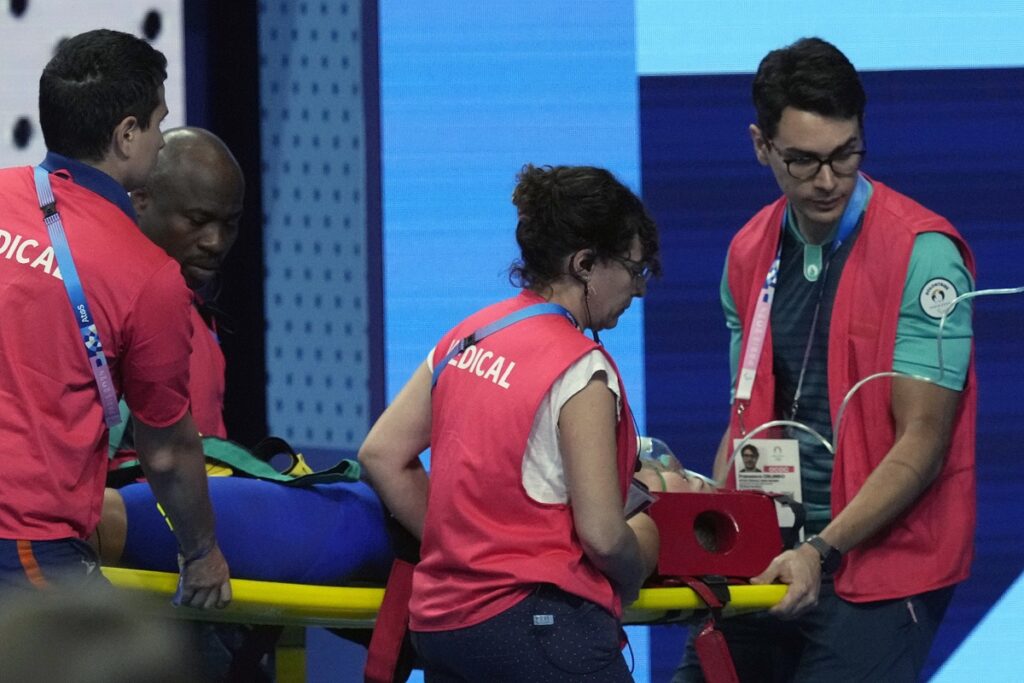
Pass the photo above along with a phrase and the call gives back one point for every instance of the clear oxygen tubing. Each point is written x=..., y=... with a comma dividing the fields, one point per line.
x=938, y=342
x=856, y=387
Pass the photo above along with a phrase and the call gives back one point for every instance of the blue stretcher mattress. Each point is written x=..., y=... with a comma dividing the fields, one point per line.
x=326, y=534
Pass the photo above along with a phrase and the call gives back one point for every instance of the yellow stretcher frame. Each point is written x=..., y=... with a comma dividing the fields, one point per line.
x=300, y=605
x=292, y=604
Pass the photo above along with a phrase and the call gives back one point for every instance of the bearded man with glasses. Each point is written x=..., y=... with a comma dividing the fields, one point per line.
x=839, y=279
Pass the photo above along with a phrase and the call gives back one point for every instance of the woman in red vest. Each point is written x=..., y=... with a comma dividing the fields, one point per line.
x=527, y=555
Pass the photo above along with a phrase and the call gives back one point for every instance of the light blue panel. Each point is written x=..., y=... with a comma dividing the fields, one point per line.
x=700, y=36
x=315, y=223
x=471, y=91
x=993, y=650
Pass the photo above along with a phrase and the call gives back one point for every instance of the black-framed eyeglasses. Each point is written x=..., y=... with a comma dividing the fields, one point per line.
x=807, y=166
x=637, y=269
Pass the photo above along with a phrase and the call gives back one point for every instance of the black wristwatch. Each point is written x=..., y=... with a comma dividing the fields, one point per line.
x=830, y=557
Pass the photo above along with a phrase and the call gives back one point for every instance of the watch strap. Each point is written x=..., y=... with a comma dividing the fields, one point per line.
x=830, y=556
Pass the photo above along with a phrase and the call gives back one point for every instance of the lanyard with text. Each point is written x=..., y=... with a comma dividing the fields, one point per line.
x=79, y=305
x=762, y=312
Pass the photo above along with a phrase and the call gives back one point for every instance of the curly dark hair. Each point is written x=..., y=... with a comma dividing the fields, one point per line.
x=563, y=209
x=810, y=75
x=93, y=82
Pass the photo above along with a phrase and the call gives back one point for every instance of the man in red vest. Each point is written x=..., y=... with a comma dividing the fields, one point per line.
x=95, y=310
x=191, y=206
x=840, y=279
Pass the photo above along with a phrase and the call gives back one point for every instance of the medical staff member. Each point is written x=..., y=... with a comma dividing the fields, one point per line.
x=839, y=279
x=527, y=556
x=191, y=206
x=125, y=331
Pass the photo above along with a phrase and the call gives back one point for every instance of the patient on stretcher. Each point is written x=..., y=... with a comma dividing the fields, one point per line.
x=661, y=471
x=323, y=534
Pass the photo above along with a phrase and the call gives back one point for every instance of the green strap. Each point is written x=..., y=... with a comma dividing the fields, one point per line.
x=242, y=460
x=244, y=463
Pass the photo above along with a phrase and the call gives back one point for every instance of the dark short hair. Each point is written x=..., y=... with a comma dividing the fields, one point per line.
x=752, y=447
x=809, y=75
x=563, y=209
x=93, y=82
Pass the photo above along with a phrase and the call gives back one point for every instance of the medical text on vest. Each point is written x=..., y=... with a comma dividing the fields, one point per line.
x=15, y=247
x=485, y=364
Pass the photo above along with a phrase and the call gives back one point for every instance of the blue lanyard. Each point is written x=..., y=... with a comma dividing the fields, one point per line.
x=76, y=295
x=500, y=324
x=851, y=214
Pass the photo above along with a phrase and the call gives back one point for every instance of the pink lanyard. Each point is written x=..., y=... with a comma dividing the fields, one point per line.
x=758, y=330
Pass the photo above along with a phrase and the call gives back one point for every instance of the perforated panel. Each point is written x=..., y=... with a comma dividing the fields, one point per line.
x=315, y=226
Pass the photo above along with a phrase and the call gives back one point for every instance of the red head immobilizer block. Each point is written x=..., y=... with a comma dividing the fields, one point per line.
x=726, y=533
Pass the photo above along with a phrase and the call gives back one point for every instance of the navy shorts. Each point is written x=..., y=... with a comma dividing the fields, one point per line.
x=550, y=635
x=837, y=640
x=65, y=562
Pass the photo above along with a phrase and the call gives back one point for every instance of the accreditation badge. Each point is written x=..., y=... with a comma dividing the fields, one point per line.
x=771, y=466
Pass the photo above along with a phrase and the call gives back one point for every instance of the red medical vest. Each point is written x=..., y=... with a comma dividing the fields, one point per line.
x=930, y=545
x=486, y=542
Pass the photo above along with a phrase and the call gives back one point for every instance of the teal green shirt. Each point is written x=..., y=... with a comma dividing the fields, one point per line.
x=917, y=351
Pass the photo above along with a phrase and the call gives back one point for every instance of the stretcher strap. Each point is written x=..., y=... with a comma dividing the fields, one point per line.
x=712, y=650
x=245, y=463
x=384, y=655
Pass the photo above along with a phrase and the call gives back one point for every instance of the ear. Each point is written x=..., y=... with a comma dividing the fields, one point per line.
x=581, y=264
x=124, y=137
x=760, y=144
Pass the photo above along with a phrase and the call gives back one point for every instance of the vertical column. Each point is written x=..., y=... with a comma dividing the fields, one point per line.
x=314, y=180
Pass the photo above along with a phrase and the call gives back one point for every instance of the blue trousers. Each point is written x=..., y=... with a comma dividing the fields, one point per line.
x=549, y=636
x=837, y=640
x=41, y=564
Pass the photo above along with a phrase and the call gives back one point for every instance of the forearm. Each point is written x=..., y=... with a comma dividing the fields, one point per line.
x=175, y=470
x=648, y=539
x=924, y=415
x=172, y=458
x=185, y=500
x=621, y=559
x=907, y=470
x=403, y=491
x=390, y=453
